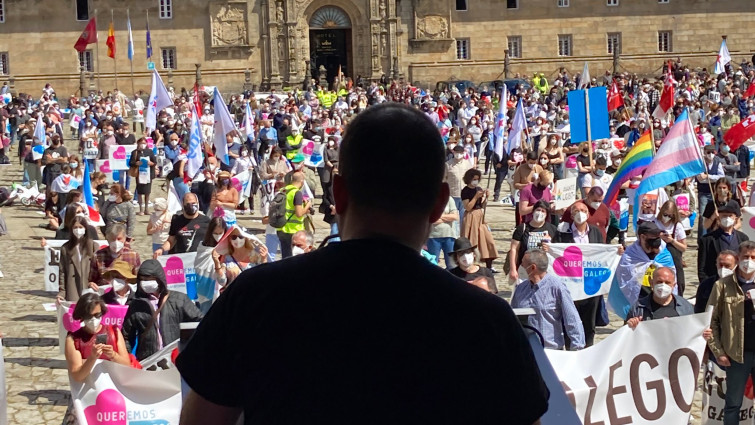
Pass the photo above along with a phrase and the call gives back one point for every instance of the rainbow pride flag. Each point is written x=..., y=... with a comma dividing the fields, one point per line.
x=635, y=162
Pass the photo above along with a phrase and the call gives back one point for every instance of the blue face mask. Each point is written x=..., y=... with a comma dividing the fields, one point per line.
x=600, y=173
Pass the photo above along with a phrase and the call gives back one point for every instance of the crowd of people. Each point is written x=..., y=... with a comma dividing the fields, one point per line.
x=284, y=185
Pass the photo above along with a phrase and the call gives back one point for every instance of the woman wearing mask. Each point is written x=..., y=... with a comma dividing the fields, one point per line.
x=275, y=168
x=470, y=150
x=473, y=129
x=465, y=255
x=76, y=257
x=473, y=199
x=155, y=315
x=584, y=166
x=545, y=162
x=100, y=189
x=555, y=157
x=723, y=194
x=77, y=168
x=159, y=223
x=119, y=209
x=71, y=212
x=669, y=221
x=225, y=199
x=530, y=235
x=121, y=279
x=244, y=163
x=241, y=251
x=208, y=263
x=178, y=174
x=143, y=180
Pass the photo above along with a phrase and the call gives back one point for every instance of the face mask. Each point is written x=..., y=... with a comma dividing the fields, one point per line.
x=661, y=290
x=654, y=243
x=538, y=217
x=142, y=147
x=173, y=143
x=710, y=156
x=531, y=165
x=150, y=286
x=92, y=324
x=553, y=141
x=110, y=132
x=116, y=246
x=616, y=163
x=111, y=198
x=118, y=284
x=600, y=173
x=595, y=205
x=297, y=251
x=747, y=266
x=79, y=232
x=125, y=133
x=475, y=183
x=580, y=217
x=244, y=153
x=74, y=165
x=724, y=272
x=467, y=259
x=238, y=243
x=666, y=218
x=191, y=209
x=727, y=221
x=217, y=237
x=459, y=156
x=543, y=161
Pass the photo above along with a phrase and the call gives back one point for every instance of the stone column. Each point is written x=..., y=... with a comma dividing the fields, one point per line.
x=198, y=74
x=273, y=36
x=82, y=82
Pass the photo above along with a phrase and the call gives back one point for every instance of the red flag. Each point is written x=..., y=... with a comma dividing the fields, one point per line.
x=111, y=41
x=87, y=37
x=615, y=99
x=197, y=103
x=667, y=97
x=750, y=89
x=740, y=132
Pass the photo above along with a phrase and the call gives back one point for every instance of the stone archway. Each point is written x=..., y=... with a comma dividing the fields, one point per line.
x=330, y=42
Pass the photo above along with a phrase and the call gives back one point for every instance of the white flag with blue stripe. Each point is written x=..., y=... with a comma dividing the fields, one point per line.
x=194, y=156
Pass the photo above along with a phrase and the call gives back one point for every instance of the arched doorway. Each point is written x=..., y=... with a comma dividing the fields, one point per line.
x=330, y=42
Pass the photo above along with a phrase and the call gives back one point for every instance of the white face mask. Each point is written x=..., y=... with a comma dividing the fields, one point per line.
x=150, y=286
x=543, y=162
x=580, y=217
x=297, y=251
x=74, y=165
x=724, y=272
x=475, y=183
x=217, y=237
x=661, y=290
x=538, y=217
x=116, y=246
x=747, y=266
x=459, y=155
x=727, y=221
x=616, y=163
x=466, y=260
x=666, y=218
x=531, y=165
x=111, y=198
x=595, y=205
x=92, y=324
x=238, y=243
x=118, y=284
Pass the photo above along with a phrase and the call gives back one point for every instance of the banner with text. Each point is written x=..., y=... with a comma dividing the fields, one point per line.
x=52, y=262
x=179, y=272
x=565, y=192
x=117, y=394
x=643, y=376
x=714, y=398
x=586, y=269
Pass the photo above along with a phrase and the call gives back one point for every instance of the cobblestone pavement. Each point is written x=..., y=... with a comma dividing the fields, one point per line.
x=36, y=377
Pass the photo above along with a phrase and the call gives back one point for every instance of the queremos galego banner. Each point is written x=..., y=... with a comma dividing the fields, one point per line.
x=714, y=398
x=586, y=269
x=643, y=376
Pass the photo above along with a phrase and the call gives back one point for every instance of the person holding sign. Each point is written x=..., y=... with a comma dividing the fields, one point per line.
x=530, y=235
x=144, y=160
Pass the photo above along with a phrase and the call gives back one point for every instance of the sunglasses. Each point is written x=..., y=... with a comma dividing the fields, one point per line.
x=234, y=237
x=98, y=316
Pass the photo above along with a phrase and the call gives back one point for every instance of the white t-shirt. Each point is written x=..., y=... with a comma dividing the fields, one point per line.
x=591, y=180
x=678, y=234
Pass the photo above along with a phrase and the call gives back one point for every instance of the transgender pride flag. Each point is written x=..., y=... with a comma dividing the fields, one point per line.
x=678, y=158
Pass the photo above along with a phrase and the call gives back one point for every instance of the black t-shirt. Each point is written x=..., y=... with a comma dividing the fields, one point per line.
x=710, y=208
x=481, y=272
x=663, y=311
x=468, y=193
x=409, y=343
x=55, y=168
x=532, y=237
x=749, y=345
x=189, y=232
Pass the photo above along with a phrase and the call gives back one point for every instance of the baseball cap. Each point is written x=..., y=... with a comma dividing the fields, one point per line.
x=649, y=228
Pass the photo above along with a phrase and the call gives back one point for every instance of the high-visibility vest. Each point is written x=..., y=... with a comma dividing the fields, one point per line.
x=293, y=222
x=328, y=99
x=295, y=143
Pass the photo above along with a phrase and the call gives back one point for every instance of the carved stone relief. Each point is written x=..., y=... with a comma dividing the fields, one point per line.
x=432, y=27
x=228, y=22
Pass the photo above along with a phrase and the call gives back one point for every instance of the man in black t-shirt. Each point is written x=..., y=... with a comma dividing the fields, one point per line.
x=662, y=303
x=187, y=229
x=365, y=330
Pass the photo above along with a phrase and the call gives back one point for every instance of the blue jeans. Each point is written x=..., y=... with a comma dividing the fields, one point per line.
x=435, y=245
x=156, y=246
x=702, y=199
x=125, y=180
x=271, y=243
x=334, y=231
x=460, y=208
x=181, y=188
x=736, y=378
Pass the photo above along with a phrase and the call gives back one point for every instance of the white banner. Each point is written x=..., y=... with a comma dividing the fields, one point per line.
x=714, y=398
x=52, y=263
x=643, y=376
x=119, y=156
x=179, y=272
x=748, y=222
x=117, y=394
x=565, y=192
x=586, y=269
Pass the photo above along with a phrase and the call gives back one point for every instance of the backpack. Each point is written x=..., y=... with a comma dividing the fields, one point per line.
x=277, y=212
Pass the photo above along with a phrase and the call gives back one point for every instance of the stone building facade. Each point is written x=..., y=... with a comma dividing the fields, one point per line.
x=278, y=43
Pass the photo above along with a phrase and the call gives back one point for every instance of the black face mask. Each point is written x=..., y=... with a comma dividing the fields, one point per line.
x=191, y=209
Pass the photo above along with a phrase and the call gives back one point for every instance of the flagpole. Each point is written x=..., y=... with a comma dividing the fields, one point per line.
x=115, y=63
x=130, y=45
x=97, y=51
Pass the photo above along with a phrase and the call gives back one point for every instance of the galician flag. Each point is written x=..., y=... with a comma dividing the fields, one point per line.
x=500, y=122
x=223, y=125
x=723, y=58
x=194, y=156
x=39, y=131
x=130, y=40
x=159, y=99
x=518, y=126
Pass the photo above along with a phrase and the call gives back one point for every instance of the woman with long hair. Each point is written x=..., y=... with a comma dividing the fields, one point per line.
x=241, y=252
x=474, y=228
x=669, y=221
x=143, y=182
x=119, y=209
x=76, y=258
x=225, y=199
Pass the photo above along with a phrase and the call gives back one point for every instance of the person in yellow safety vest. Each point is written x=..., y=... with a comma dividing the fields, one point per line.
x=296, y=209
x=535, y=80
x=543, y=84
x=294, y=143
x=343, y=92
x=328, y=99
x=320, y=95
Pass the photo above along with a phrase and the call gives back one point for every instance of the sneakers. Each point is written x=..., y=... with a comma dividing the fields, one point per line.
x=239, y=212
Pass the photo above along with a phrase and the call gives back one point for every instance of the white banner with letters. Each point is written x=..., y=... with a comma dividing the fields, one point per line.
x=179, y=272
x=586, y=269
x=565, y=192
x=643, y=376
x=117, y=394
x=52, y=262
x=714, y=398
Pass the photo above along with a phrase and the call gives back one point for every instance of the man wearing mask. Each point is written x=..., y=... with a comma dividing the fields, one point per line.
x=187, y=229
x=733, y=326
x=302, y=243
x=268, y=137
x=726, y=264
x=115, y=251
x=120, y=276
x=539, y=190
x=54, y=158
x=597, y=177
x=455, y=170
x=172, y=149
x=714, y=170
x=296, y=210
x=725, y=237
x=662, y=303
x=729, y=161
x=599, y=214
x=555, y=314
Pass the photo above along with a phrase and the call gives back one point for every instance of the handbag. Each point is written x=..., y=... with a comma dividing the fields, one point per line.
x=133, y=171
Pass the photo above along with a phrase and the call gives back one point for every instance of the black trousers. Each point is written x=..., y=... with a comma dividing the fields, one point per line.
x=588, y=310
x=285, y=241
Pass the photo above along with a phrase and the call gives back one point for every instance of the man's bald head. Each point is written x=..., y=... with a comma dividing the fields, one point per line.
x=190, y=198
x=297, y=177
x=664, y=275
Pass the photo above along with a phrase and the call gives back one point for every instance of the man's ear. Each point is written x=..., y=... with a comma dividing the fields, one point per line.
x=440, y=203
x=340, y=194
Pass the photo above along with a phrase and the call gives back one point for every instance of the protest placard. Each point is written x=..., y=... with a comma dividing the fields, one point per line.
x=119, y=156
x=103, y=166
x=748, y=222
x=52, y=262
x=565, y=192
x=714, y=398
x=179, y=272
x=586, y=269
x=114, y=316
x=643, y=376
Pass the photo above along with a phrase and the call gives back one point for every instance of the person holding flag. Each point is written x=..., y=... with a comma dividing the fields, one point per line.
x=144, y=159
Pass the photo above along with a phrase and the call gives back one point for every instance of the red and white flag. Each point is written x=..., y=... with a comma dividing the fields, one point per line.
x=740, y=132
x=615, y=99
x=87, y=37
x=667, y=97
x=750, y=89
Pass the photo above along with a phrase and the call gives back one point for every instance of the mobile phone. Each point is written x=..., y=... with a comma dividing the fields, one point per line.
x=101, y=339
